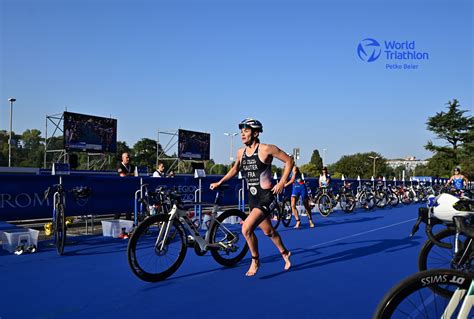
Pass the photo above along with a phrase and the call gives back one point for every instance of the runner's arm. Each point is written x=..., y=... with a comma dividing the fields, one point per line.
x=231, y=173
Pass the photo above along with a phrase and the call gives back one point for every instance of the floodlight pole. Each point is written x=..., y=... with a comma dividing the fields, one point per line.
x=231, y=135
x=10, y=141
x=374, y=158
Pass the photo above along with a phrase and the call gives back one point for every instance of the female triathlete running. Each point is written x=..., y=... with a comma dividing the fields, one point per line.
x=255, y=162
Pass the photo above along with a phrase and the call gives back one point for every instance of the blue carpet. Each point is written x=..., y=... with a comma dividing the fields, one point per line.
x=341, y=269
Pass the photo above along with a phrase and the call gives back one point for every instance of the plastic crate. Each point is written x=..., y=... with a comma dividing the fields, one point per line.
x=113, y=228
x=13, y=238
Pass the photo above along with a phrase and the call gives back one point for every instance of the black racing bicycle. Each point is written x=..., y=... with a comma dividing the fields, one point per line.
x=80, y=194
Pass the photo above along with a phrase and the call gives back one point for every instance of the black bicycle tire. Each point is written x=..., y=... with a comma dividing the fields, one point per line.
x=380, y=199
x=370, y=199
x=60, y=228
x=344, y=198
x=131, y=254
x=392, y=202
x=428, y=245
x=407, y=286
x=285, y=220
x=324, y=214
x=349, y=208
x=276, y=213
x=214, y=252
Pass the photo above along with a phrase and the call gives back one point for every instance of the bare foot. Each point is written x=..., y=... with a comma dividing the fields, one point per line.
x=253, y=267
x=298, y=224
x=286, y=257
x=311, y=224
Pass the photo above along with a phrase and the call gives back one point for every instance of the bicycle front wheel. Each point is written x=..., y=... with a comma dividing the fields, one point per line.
x=275, y=216
x=432, y=256
x=152, y=256
x=415, y=297
x=324, y=205
x=60, y=228
x=229, y=244
x=286, y=213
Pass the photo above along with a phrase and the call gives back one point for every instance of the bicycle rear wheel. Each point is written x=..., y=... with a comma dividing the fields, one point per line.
x=59, y=228
x=286, y=213
x=415, y=297
x=324, y=205
x=381, y=199
x=226, y=232
x=393, y=200
x=347, y=203
x=148, y=258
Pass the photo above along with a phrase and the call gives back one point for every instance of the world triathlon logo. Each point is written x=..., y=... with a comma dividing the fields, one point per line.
x=397, y=55
x=369, y=50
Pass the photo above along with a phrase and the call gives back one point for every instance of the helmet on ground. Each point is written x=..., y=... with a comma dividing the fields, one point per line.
x=252, y=124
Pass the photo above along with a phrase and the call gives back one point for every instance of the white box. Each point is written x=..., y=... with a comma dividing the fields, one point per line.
x=114, y=227
x=13, y=238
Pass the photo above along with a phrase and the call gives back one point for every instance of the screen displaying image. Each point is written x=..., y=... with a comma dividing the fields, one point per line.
x=87, y=133
x=194, y=145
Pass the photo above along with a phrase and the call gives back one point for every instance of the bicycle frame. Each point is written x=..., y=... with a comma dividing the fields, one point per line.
x=466, y=306
x=189, y=226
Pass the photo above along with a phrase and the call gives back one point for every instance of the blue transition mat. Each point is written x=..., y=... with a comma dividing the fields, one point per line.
x=341, y=269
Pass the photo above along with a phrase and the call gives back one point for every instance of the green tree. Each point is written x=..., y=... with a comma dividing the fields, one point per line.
x=360, y=164
x=144, y=153
x=32, y=152
x=218, y=169
x=454, y=127
x=3, y=148
x=314, y=167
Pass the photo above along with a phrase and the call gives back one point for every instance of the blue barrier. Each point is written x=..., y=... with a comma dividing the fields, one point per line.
x=22, y=196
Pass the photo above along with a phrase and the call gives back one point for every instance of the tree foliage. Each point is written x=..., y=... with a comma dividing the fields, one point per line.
x=360, y=164
x=455, y=128
x=314, y=167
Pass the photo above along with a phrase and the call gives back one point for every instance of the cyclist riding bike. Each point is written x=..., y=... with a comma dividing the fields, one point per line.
x=255, y=162
x=299, y=191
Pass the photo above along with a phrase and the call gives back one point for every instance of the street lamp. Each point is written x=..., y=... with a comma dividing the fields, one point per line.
x=324, y=156
x=11, y=100
x=374, y=158
x=231, y=135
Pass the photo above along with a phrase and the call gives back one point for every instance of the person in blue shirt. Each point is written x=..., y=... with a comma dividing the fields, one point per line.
x=299, y=191
x=458, y=180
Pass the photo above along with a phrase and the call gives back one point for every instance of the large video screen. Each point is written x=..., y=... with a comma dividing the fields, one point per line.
x=87, y=133
x=194, y=145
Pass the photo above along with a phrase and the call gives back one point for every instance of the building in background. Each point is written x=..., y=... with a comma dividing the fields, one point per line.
x=409, y=163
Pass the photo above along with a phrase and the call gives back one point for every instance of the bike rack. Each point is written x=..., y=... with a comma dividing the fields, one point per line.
x=199, y=174
x=87, y=224
x=137, y=193
x=197, y=198
x=242, y=194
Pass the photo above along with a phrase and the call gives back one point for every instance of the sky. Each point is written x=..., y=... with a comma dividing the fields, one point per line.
x=206, y=65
